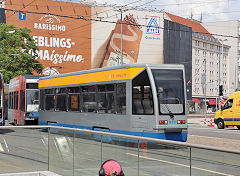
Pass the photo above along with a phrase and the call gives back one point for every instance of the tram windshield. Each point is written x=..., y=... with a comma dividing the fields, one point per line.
x=170, y=90
x=32, y=100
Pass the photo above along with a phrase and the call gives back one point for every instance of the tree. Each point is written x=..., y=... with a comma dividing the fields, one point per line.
x=17, y=52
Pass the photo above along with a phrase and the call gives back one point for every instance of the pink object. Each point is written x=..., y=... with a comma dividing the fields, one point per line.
x=112, y=166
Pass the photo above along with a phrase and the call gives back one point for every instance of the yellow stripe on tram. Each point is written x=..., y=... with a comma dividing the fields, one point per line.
x=110, y=75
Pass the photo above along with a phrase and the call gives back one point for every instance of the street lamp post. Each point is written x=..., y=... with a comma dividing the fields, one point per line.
x=220, y=75
x=121, y=11
x=121, y=39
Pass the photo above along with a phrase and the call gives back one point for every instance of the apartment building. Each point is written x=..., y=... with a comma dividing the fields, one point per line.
x=229, y=32
x=207, y=54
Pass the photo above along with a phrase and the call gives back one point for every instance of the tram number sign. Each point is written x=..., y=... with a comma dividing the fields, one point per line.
x=172, y=122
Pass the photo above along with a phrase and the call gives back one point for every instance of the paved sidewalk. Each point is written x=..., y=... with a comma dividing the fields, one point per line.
x=196, y=121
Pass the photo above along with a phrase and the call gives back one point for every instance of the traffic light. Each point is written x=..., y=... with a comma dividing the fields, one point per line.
x=220, y=90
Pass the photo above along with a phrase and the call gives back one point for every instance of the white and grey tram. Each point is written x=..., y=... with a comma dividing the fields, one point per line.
x=135, y=99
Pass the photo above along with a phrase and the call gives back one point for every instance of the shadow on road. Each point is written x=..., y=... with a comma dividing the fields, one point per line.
x=3, y=131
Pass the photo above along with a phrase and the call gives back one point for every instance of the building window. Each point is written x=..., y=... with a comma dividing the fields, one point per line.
x=197, y=43
x=211, y=46
x=204, y=53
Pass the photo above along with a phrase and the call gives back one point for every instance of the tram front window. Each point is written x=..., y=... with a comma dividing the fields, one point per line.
x=170, y=90
x=32, y=100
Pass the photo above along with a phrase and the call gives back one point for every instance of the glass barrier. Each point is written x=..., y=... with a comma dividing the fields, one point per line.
x=73, y=153
x=208, y=163
x=23, y=150
x=124, y=151
x=61, y=152
x=159, y=159
x=87, y=154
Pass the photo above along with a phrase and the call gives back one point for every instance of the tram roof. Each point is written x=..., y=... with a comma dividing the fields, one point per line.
x=113, y=68
x=32, y=76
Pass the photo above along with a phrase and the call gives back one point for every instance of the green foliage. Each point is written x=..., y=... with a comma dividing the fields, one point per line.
x=17, y=52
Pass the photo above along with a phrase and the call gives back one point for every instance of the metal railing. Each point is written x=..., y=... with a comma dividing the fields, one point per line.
x=70, y=151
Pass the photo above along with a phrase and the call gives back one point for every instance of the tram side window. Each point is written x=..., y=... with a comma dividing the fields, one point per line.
x=10, y=101
x=89, y=99
x=142, y=95
x=74, y=98
x=61, y=99
x=13, y=100
x=121, y=98
x=106, y=96
x=22, y=100
x=137, y=100
x=42, y=97
x=16, y=100
x=50, y=99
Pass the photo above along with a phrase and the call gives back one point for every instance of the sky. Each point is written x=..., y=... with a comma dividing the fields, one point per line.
x=211, y=10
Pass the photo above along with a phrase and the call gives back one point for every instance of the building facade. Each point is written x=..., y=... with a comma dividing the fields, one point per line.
x=206, y=63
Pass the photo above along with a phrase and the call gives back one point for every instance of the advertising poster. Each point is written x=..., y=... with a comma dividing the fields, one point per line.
x=64, y=43
x=74, y=36
x=142, y=37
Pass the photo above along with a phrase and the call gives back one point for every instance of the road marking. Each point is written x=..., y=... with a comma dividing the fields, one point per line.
x=178, y=164
x=1, y=148
x=44, y=139
x=6, y=145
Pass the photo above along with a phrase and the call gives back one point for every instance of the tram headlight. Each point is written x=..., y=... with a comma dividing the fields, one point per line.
x=29, y=114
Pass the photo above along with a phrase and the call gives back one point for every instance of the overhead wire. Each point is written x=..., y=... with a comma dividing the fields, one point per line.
x=100, y=17
x=117, y=7
x=113, y=15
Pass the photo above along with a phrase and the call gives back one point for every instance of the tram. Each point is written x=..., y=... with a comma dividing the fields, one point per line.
x=23, y=100
x=135, y=99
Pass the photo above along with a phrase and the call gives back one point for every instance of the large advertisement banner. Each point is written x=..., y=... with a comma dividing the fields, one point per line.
x=73, y=36
x=64, y=43
x=139, y=41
